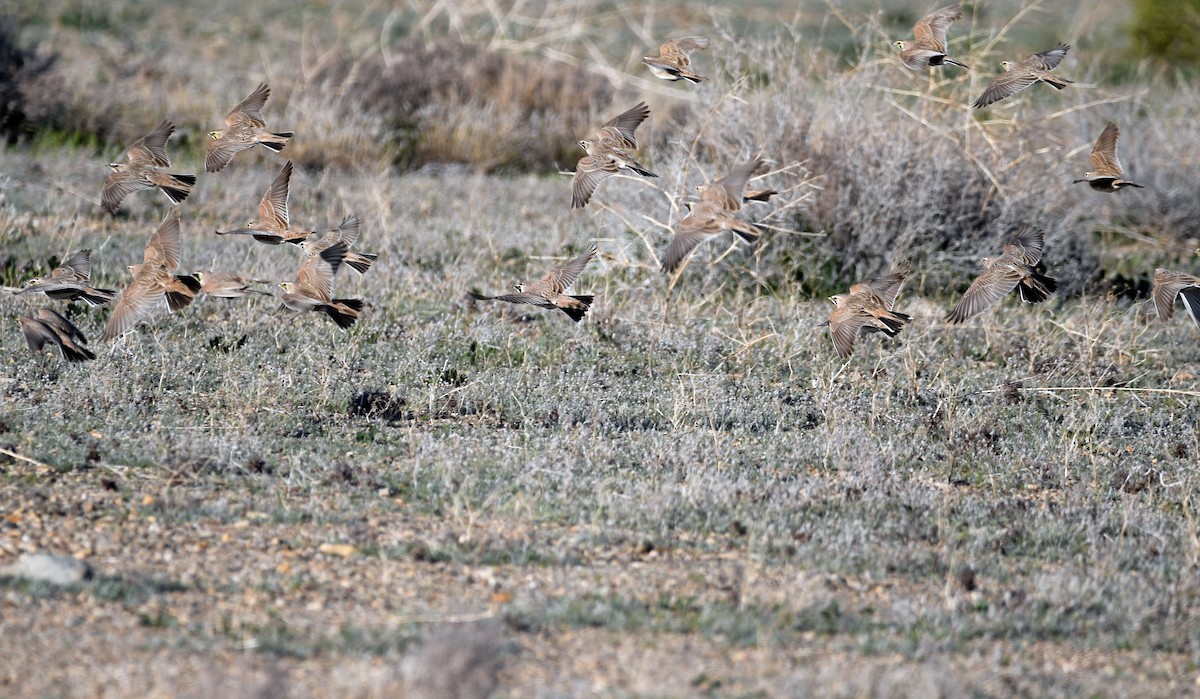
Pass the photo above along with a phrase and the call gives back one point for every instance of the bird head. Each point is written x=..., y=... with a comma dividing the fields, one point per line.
x=902, y=45
x=836, y=300
x=33, y=282
x=519, y=287
x=214, y=135
x=584, y=144
x=114, y=166
x=286, y=286
x=1007, y=65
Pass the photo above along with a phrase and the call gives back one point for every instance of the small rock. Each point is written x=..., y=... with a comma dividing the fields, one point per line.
x=56, y=570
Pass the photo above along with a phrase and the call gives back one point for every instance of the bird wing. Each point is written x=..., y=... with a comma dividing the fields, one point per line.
x=1104, y=153
x=250, y=109
x=79, y=265
x=1006, y=85
x=152, y=148
x=886, y=288
x=219, y=152
x=315, y=276
x=60, y=323
x=274, y=204
x=844, y=325
x=695, y=228
x=119, y=185
x=36, y=333
x=163, y=246
x=1026, y=244
x=1167, y=285
x=987, y=289
x=346, y=232
x=590, y=171
x=683, y=46
x=523, y=297
x=1047, y=60
x=138, y=300
x=931, y=31
x=619, y=130
x=556, y=281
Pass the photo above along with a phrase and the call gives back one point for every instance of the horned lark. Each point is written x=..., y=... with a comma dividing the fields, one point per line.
x=1013, y=269
x=49, y=327
x=71, y=280
x=273, y=226
x=346, y=232
x=1168, y=285
x=549, y=291
x=674, y=59
x=1106, y=168
x=706, y=220
x=227, y=285
x=313, y=288
x=244, y=127
x=1019, y=75
x=866, y=308
x=606, y=155
x=142, y=169
x=153, y=279
x=729, y=192
x=929, y=48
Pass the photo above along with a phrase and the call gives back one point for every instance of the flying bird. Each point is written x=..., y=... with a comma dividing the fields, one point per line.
x=244, y=127
x=1020, y=75
x=606, y=155
x=346, y=232
x=674, y=59
x=1106, y=168
x=153, y=280
x=273, y=225
x=228, y=285
x=550, y=290
x=867, y=308
x=143, y=169
x=50, y=327
x=70, y=281
x=929, y=48
x=1012, y=270
x=729, y=192
x=313, y=288
x=1167, y=285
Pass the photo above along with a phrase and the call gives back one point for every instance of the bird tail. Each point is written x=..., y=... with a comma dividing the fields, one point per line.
x=759, y=195
x=1036, y=288
x=575, y=306
x=1056, y=83
x=894, y=322
x=182, y=292
x=360, y=262
x=951, y=61
x=640, y=170
x=1191, y=301
x=72, y=352
x=274, y=141
x=1125, y=183
x=746, y=231
x=344, y=312
x=178, y=187
x=97, y=297
x=690, y=76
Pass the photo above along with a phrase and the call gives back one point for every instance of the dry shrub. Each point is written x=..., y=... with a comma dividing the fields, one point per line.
x=451, y=102
x=26, y=84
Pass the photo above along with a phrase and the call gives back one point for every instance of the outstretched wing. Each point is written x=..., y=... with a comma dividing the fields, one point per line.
x=987, y=289
x=931, y=31
x=1104, y=153
x=152, y=148
x=1047, y=60
x=250, y=109
x=618, y=131
x=163, y=246
x=556, y=281
x=274, y=204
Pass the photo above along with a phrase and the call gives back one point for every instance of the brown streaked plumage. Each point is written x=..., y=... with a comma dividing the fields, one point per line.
x=707, y=219
x=1167, y=285
x=50, y=327
x=1106, y=167
x=1019, y=75
x=598, y=165
x=867, y=308
x=346, y=232
x=729, y=192
x=674, y=59
x=244, y=127
x=618, y=132
x=143, y=169
x=550, y=290
x=929, y=47
x=70, y=281
x=228, y=285
x=1012, y=270
x=273, y=225
x=313, y=288
x=153, y=280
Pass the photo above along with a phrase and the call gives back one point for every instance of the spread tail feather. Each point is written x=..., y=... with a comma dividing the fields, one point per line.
x=360, y=262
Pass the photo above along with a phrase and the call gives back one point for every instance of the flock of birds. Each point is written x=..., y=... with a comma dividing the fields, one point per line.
x=867, y=307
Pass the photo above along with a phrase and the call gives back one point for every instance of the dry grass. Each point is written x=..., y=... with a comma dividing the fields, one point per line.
x=685, y=494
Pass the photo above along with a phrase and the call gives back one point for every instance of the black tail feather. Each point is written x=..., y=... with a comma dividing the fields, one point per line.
x=97, y=297
x=576, y=314
x=642, y=171
x=1036, y=288
x=360, y=262
x=274, y=145
x=344, y=319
